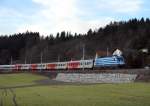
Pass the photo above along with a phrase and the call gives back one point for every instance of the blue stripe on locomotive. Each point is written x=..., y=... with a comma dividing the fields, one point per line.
x=109, y=61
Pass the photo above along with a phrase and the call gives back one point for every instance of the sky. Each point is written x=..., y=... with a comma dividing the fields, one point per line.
x=52, y=16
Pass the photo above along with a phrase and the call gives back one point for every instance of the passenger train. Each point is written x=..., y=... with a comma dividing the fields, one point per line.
x=116, y=60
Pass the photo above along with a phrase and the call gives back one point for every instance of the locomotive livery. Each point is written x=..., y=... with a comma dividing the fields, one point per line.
x=116, y=60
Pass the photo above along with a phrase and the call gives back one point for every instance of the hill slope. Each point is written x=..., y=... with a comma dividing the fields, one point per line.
x=130, y=37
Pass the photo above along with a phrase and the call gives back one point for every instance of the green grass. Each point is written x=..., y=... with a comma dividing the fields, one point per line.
x=7, y=80
x=133, y=94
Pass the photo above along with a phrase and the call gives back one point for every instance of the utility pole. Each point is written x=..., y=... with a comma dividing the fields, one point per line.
x=25, y=61
x=11, y=61
x=46, y=55
x=41, y=57
x=83, y=51
x=31, y=59
x=41, y=61
x=58, y=58
x=107, y=51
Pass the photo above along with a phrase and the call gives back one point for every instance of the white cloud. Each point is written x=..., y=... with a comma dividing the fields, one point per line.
x=120, y=6
x=59, y=8
x=59, y=15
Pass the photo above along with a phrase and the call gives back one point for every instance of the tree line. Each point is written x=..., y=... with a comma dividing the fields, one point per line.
x=130, y=36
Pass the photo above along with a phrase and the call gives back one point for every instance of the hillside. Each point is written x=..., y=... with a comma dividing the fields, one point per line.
x=130, y=37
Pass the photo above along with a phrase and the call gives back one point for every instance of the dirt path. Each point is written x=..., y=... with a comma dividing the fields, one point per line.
x=1, y=102
x=4, y=93
x=37, y=83
x=13, y=97
x=45, y=82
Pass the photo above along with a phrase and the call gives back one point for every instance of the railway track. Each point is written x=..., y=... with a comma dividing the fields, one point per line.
x=128, y=71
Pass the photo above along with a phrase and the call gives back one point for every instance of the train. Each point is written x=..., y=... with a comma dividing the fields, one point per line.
x=116, y=60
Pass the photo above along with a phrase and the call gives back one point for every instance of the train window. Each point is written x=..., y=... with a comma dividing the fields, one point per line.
x=120, y=59
x=86, y=63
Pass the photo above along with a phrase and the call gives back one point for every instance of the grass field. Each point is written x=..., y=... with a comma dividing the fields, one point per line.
x=7, y=80
x=133, y=94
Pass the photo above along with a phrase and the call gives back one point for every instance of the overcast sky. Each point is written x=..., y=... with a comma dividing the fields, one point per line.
x=51, y=16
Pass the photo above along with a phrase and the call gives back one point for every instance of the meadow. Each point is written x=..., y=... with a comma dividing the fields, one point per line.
x=19, y=79
x=131, y=94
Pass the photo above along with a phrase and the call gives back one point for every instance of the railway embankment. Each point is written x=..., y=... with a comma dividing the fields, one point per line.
x=105, y=76
x=96, y=78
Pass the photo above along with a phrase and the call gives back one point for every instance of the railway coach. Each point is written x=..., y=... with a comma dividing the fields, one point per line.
x=25, y=66
x=87, y=64
x=51, y=66
x=7, y=67
x=56, y=66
